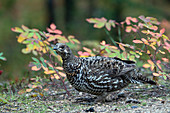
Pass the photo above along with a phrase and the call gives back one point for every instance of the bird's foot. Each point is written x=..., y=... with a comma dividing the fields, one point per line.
x=92, y=99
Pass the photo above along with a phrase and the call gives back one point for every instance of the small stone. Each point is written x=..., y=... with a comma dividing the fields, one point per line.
x=90, y=110
x=134, y=107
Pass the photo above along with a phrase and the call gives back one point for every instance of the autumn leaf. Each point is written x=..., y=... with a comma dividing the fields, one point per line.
x=137, y=41
x=53, y=26
x=87, y=49
x=35, y=68
x=120, y=45
x=92, y=20
x=112, y=22
x=162, y=30
x=108, y=26
x=156, y=74
x=29, y=90
x=165, y=59
x=25, y=28
x=49, y=72
x=17, y=29
x=128, y=29
x=146, y=65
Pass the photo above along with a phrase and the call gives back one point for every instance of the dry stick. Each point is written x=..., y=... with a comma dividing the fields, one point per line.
x=55, y=69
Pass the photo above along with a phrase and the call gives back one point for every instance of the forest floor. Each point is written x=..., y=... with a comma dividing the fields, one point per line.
x=132, y=99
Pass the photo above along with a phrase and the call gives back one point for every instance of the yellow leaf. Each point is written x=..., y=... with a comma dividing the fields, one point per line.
x=121, y=47
x=148, y=52
x=29, y=90
x=162, y=52
x=128, y=29
x=49, y=72
x=62, y=74
x=150, y=62
x=34, y=68
x=86, y=49
x=59, y=68
x=156, y=74
x=145, y=41
x=56, y=76
x=103, y=43
x=46, y=89
x=34, y=95
x=146, y=65
x=21, y=39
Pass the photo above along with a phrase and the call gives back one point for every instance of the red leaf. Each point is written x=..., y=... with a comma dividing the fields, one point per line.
x=127, y=21
x=53, y=26
x=134, y=20
x=162, y=30
x=137, y=41
x=57, y=31
x=165, y=59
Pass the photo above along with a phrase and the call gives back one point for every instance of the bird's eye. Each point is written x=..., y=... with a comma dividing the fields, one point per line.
x=61, y=47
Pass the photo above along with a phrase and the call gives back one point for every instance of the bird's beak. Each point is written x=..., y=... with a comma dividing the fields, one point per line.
x=54, y=47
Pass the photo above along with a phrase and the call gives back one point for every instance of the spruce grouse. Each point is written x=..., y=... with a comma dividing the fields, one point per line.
x=98, y=75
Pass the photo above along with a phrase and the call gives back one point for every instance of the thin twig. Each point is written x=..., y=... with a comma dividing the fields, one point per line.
x=55, y=69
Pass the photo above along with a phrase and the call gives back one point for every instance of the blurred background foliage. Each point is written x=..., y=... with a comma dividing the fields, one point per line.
x=69, y=16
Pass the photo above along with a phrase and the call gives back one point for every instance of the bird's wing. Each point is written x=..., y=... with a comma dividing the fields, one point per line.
x=106, y=65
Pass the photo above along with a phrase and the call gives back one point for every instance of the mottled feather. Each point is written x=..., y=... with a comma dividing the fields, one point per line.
x=98, y=75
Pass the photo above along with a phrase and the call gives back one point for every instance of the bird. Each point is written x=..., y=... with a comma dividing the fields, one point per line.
x=99, y=75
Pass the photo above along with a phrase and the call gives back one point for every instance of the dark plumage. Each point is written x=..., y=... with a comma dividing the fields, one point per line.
x=98, y=75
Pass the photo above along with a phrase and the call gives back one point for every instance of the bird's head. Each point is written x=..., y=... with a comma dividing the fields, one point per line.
x=63, y=50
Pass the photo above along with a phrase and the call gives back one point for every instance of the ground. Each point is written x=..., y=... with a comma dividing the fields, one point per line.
x=132, y=99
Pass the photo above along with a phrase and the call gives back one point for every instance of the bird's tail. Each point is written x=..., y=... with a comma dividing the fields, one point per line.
x=136, y=77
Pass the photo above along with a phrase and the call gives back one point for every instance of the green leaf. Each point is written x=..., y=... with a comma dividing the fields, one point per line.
x=108, y=51
x=30, y=35
x=92, y=20
x=165, y=37
x=26, y=50
x=132, y=52
x=30, y=46
x=17, y=29
x=35, y=59
x=1, y=53
x=25, y=28
x=27, y=41
x=113, y=55
x=43, y=63
x=164, y=77
x=35, y=52
x=2, y=58
x=38, y=35
x=3, y=100
x=99, y=25
x=108, y=26
x=76, y=41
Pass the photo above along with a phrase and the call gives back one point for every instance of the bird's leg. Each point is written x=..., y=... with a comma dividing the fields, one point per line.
x=86, y=99
x=101, y=97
